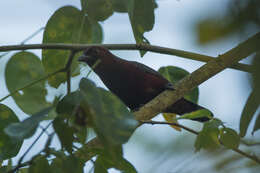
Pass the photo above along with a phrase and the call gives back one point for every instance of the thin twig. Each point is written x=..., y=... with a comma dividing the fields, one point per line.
x=27, y=39
x=32, y=83
x=252, y=157
x=196, y=133
x=68, y=70
x=32, y=35
x=249, y=143
x=20, y=165
x=34, y=142
x=68, y=81
x=152, y=48
x=168, y=123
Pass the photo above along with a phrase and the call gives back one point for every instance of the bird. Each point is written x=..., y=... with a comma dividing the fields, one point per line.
x=135, y=84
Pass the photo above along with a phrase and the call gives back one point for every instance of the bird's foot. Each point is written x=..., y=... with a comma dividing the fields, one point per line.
x=137, y=108
x=169, y=86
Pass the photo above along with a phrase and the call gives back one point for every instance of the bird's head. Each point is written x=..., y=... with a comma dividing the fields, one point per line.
x=94, y=53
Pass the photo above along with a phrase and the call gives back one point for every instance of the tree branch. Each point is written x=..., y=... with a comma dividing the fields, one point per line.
x=167, y=98
x=146, y=47
x=68, y=70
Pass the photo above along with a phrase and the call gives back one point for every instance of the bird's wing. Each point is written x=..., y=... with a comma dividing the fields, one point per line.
x=151, y=71
x=147, y=69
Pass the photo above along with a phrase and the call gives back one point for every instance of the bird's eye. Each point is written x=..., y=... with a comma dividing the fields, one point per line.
x=93, y=51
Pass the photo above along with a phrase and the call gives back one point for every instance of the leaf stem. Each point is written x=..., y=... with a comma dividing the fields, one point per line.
x=31, y=84
x=68, y=70
x=32, y=35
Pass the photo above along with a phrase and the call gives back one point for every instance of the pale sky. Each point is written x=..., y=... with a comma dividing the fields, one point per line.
x=224, y=94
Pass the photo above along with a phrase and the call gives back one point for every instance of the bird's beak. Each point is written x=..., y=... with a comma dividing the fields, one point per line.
x=82, y=58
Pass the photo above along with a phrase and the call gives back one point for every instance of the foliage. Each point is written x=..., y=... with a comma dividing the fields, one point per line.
x=93, y=108
x=175, y=74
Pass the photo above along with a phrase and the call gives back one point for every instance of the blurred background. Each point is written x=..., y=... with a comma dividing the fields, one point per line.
x=178, y=24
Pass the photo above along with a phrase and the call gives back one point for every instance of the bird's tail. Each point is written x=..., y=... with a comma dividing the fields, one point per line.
x=184, y=106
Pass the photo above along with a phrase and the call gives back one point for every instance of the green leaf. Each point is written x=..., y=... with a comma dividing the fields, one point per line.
x=22, y=69
x=27, y=127
x=101, y=165
x=8, y=147
x=197, y=114
x=112, y=158
x=98, y=10
x=208, y=137
x=71, y=105
x=229, y=138
x=64, y=132
x=72, y=164
x=67, y=164
x=56, y=165
x=40, y=165
x=120, y=5
x=250, y=108
x=68, y=103
x=82, y=135
x=257, y=124
x=4, y=169
x=141, y=15
x=23, y=170
x=67, y=25
x=175, y=74
x=125, y=166
x=113, y=122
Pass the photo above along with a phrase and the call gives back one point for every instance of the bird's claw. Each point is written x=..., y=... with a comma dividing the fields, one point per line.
x=169, y=86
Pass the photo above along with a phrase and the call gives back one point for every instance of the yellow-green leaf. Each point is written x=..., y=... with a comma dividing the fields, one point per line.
x=98, y=10
x=67, y=25
x=208, y=137
x=22, y=69
x=229, y=138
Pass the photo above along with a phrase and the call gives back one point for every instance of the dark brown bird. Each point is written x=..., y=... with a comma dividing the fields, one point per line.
x=134, y=83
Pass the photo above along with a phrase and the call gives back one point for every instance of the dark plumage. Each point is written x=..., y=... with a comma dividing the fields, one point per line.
x=134, y=83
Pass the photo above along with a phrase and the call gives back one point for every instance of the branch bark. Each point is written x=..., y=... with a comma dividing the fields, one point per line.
x=146, y=47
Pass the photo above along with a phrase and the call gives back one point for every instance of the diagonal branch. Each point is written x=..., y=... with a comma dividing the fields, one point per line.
x=145, y=47
x=167, y=98
x=213, y=67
